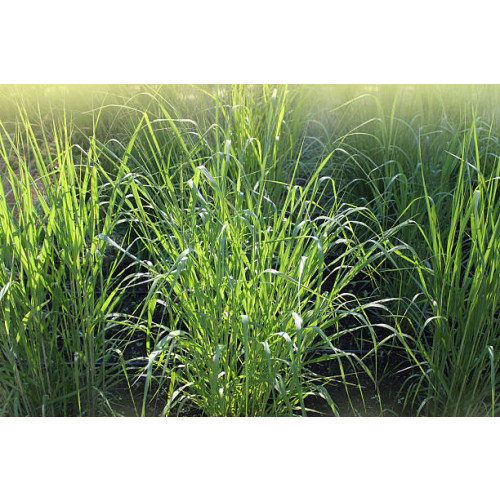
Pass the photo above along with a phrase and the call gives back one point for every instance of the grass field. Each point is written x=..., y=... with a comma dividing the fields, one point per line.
x=249, y=250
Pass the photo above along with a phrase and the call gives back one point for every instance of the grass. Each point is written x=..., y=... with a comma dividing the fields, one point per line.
x=210, y=250
x=461, y=283
x=55, y=295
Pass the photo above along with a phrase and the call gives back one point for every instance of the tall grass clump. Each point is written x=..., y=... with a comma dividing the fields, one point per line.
x=55, y=296
x=237, y=272
x=459, y=340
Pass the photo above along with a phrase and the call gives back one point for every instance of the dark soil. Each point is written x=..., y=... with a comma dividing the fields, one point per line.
x=359, y=396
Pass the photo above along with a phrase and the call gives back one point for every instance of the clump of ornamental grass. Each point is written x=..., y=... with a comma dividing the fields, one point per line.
x=54, y=296
x=457, y=348
x=237, y=268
